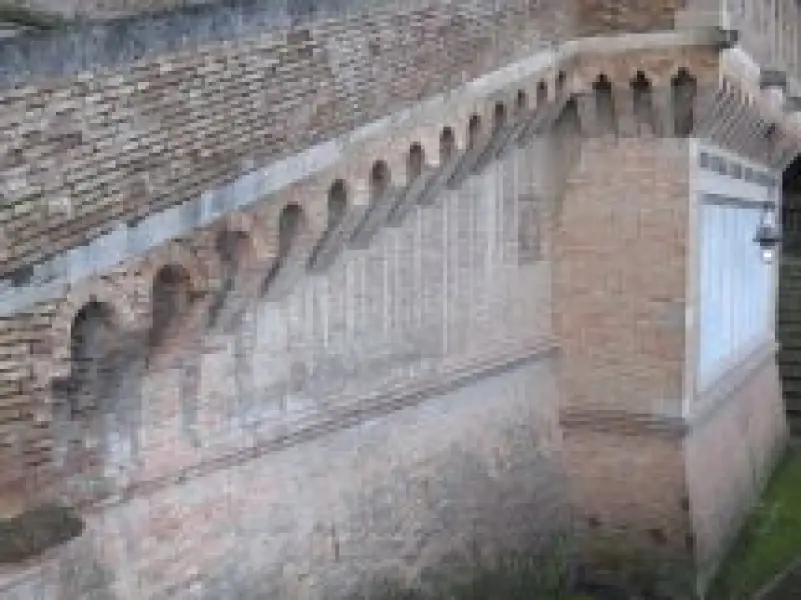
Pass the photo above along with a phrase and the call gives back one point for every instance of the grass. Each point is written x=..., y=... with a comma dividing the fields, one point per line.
x=771, y=536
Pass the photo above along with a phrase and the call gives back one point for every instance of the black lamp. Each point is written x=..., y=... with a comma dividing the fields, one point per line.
x=768, y=235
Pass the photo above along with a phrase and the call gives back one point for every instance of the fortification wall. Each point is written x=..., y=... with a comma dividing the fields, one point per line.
x=451, y=290
x=96, y=136
x=408, y=496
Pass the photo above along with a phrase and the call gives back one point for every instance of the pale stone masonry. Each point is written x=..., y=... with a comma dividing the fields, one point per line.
x=294, y=300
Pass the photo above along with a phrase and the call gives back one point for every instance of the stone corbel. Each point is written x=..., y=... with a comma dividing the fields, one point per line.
x=773, y=78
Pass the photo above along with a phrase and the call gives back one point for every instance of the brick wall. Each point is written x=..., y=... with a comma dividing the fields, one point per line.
x=621, y=322
x=594, y=17
x=629, y=492
x=77, y=149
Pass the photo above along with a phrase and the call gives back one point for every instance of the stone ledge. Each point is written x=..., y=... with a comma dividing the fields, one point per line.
x=622, y=422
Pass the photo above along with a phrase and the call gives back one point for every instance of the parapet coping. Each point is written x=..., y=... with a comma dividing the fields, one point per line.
x=83, y=46
x=52, y=278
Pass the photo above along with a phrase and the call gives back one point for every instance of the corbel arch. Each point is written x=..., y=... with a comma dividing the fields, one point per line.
x=642, y=101
x=123, y=317
x=448, y=146
x=415, y=162
x=604, y=103
x=201, y=276
x=247, y=231
x=541, y=92
x=684, y=89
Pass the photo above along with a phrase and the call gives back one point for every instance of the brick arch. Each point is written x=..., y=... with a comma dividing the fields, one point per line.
x=291, y=227
x=415, y=161
x=500, y=114
x=602, y=90
x=684, y=90
x=293, y=235
x=253, y=225
x=338, y=202
x=448, y=146
x=380, y=179
x=642, y=100
x=171, y=283
x=234, y=248
x=561, y=80
x=200, y=273
x=124, y=318
x=204, y=275
x=522, y=101
x=475, y=129
x=541, y=92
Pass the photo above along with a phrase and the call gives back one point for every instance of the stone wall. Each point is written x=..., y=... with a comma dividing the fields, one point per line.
x=409, y=495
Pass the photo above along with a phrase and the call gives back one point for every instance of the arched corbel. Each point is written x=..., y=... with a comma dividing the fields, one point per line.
x=127, y=319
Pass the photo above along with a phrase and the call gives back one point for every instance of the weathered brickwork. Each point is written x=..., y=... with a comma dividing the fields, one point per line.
x=470, y=316
x=408, y=495
x=628, y=359
x=360, y=327
x=629, y=490
x=596, y=17
x=83, y=154
x=129, y=290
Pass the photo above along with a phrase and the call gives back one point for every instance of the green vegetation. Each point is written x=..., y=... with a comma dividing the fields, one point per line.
x=771, y=537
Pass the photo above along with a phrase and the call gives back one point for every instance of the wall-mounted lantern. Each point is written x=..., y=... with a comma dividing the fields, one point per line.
x=768, y=235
